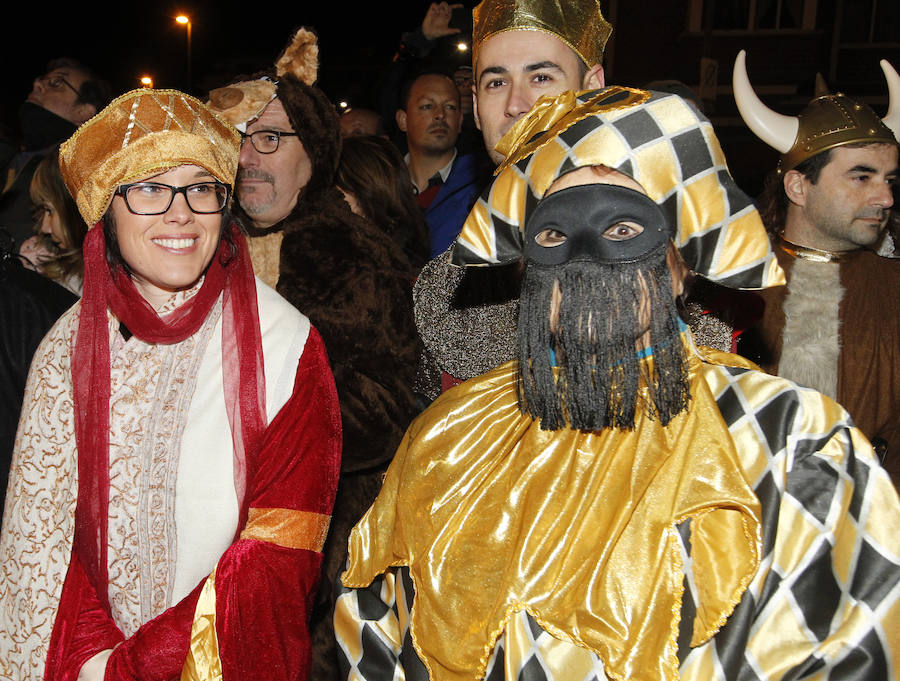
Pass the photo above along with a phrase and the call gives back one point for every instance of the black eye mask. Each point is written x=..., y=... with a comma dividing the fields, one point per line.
x=583, y=214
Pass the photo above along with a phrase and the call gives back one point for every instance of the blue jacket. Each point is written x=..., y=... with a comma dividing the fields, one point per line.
x=451, y=206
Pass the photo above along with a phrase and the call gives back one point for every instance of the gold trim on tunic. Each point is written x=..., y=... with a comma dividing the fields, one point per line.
x=203, y=662
x=282, y=526
x=287, y=527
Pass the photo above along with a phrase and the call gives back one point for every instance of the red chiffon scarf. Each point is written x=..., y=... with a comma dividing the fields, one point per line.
x=243, y=374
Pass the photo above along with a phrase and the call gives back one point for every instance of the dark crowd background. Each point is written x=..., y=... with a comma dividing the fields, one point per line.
x=123, y=41
x=690, y=41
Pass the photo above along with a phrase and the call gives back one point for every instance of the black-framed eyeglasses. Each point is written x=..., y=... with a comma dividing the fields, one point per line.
x=57, y=82
x=265, y=141
x=155, y=198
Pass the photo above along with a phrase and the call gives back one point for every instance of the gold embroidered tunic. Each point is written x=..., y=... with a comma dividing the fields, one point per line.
x=173, y=507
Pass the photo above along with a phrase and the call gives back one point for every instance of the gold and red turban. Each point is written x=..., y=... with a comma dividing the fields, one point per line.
x=139, y=134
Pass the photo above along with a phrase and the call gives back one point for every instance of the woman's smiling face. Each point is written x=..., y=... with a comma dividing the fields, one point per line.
x=171, y=251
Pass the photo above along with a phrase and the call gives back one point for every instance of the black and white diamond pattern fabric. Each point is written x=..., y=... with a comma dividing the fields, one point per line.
x=375, y=642
x=824, y=604
x=659, y=140
x=371, y=621
x=535, y=655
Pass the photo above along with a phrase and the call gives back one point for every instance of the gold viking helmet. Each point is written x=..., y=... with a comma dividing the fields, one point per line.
x=827, y=122
x=578, y=23
x=143, y=133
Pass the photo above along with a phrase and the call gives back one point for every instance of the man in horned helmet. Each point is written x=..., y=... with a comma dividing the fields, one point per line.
x=836, y=326
x=618, y=503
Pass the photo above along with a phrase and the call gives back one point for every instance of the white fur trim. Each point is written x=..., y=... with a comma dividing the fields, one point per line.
x=810, y=344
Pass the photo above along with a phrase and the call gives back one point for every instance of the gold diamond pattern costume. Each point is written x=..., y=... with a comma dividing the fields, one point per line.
x=826, y=596
x=501, y=551
x=657, y=138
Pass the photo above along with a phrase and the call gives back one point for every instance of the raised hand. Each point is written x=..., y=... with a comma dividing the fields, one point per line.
x=436, y=23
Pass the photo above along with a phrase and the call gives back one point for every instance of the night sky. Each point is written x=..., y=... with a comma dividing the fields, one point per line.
x=123, y=40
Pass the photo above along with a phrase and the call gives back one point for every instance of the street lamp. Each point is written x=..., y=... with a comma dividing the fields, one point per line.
x=185, y=20
x=147, y=81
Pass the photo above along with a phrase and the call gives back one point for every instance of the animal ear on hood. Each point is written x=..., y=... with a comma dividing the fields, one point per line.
x=301, y=57
x=241, y=103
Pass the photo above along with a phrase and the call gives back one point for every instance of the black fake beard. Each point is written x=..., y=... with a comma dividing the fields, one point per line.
x=595, y=382
x=41, y=128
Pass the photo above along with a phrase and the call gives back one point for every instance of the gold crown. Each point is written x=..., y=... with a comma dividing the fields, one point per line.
x=578, y=23
x=142, y=133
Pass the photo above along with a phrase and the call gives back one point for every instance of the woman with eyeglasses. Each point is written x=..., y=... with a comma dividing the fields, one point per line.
x=177, y=456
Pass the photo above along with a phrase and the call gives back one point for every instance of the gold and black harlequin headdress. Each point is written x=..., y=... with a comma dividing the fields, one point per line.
x=656, y=138
x=578, y=23
x=828, y=121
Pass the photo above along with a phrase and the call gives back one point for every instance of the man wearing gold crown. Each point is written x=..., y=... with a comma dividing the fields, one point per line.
x=521, y=50
x=836, y=326
x=526, y=49
x=618, y=502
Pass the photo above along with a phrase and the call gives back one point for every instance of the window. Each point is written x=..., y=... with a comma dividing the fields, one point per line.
x=870, y=21
x=754, y=15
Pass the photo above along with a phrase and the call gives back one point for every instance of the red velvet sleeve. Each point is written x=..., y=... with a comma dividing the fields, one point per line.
x=82, y=628
x=263, y=590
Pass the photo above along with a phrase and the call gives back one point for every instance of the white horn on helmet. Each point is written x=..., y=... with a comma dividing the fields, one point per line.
x=774, y=129
x=892, y=119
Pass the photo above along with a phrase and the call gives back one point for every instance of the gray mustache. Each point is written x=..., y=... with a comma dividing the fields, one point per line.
x=875, y=214
x=254, y=174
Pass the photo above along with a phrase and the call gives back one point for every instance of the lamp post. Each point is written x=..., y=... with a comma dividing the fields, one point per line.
x=185, y=20
x=147, y=81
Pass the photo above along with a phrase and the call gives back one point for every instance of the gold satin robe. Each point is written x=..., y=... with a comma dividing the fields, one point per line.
x=753, y=537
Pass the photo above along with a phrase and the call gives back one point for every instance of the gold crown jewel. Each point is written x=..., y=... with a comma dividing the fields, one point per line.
x=578, y=23
x=143, y=133
x=828, y=121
